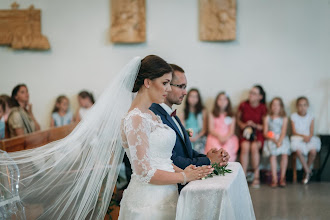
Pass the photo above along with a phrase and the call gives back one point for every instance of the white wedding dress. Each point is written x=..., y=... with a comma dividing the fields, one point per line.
x=73, y=178
x=148, y=144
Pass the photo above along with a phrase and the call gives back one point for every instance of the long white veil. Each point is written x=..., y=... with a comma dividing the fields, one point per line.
x=73, y=178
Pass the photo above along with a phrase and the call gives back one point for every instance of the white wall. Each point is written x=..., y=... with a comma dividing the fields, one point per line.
x=282, y=44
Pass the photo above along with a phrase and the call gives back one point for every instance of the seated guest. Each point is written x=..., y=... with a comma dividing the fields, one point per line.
x=303, y=141
x=8, y=101
x=2, y=123
x=86, y=101
x=222, y=127
x=4, y=118
x=61, y=114
x=249, y=118
x=277, y=142
x=195, y=118
x=21, y=119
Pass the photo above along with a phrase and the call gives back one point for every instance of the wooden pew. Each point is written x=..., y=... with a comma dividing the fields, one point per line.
x=60, y=132
x=35, y=139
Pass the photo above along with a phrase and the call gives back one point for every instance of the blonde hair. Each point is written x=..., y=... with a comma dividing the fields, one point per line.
x=282, y=111
x=58, y=101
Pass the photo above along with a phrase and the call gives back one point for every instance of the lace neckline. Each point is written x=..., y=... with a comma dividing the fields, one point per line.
x=148, y=115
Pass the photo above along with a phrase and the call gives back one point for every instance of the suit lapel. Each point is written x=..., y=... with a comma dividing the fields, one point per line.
x=186, y=136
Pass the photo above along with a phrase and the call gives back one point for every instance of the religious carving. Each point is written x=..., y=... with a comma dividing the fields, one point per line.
x=217, y=20
x=21, y=29
x=128, y=21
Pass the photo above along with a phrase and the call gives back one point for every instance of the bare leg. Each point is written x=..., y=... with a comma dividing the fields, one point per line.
x=255, y=155
x=284, y=165
x=311, y=157
x=303, y=162
x=244, y=156
x=273, y=165
x=255, y=146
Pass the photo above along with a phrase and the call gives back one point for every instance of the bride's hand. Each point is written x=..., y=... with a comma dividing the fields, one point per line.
x=207, y=170
x=194, y=173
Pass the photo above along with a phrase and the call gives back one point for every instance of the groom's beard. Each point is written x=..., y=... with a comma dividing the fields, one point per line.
x=170, y=103
x=180, y=100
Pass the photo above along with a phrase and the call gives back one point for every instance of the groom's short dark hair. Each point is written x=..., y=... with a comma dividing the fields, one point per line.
x=177, y=68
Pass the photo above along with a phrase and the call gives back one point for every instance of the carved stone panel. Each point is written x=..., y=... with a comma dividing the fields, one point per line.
x=217, y=20
x=128, y=21
x=21, y=29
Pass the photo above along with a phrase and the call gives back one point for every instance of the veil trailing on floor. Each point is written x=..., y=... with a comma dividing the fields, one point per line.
x=73, y=178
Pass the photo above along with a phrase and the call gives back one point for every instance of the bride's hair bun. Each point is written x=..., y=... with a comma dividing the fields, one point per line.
x=152, y=67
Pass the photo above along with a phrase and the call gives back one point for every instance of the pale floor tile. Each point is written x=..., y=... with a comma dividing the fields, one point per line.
x=296, y=201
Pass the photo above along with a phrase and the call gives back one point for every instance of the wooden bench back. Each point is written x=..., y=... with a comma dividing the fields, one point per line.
x=35, y=139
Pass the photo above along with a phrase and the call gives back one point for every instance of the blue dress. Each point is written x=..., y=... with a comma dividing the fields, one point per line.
x=196, y=124
x=62, y=120
x=2, y=129
x=275, y=125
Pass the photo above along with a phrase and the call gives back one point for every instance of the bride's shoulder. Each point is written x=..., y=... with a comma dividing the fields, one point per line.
x=136, y=115
x=135, y=119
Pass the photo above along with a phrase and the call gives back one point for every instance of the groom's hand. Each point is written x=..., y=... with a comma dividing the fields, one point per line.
x=224, y=157
x=218, y=156
x=213, y=156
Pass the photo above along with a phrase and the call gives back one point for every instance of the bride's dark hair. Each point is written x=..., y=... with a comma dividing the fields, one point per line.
x=152, y=67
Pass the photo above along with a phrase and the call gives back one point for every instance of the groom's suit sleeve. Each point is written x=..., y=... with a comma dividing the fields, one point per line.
x=195, y=158
x=183, y=162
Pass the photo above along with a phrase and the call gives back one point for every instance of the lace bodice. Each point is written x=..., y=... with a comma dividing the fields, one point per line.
x=148, y=144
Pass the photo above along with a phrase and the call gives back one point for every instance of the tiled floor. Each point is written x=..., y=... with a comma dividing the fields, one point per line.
x=296, y=201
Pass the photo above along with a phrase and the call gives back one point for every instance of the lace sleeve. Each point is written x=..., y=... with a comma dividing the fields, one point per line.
x=137, y=131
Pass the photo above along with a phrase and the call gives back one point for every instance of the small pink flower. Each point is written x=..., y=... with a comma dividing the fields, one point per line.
x=190, y=132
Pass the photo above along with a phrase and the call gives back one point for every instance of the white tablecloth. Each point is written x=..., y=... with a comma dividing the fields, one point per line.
x=220, y=197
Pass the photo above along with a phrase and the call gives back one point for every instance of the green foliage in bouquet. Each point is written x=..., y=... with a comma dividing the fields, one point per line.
x=218, y=170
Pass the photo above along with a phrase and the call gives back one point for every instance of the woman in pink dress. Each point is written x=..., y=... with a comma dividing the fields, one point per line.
x=222, y=127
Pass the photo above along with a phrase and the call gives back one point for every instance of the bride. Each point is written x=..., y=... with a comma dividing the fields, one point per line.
x=152, y=192
x=74, y=178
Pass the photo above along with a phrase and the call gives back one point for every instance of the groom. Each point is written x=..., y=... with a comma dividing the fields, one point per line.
x=183, y=155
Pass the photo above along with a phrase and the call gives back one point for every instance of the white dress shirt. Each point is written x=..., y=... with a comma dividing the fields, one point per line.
x=169, y=111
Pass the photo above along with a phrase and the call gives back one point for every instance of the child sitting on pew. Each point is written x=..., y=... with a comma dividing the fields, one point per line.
x=303, y=141
x=86, y=101
x=61, y=113
x=2, y=123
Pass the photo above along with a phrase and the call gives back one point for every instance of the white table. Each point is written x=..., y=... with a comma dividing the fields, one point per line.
x=220, y=197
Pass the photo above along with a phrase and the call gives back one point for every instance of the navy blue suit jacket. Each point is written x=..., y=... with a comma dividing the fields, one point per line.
x=183, y=155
